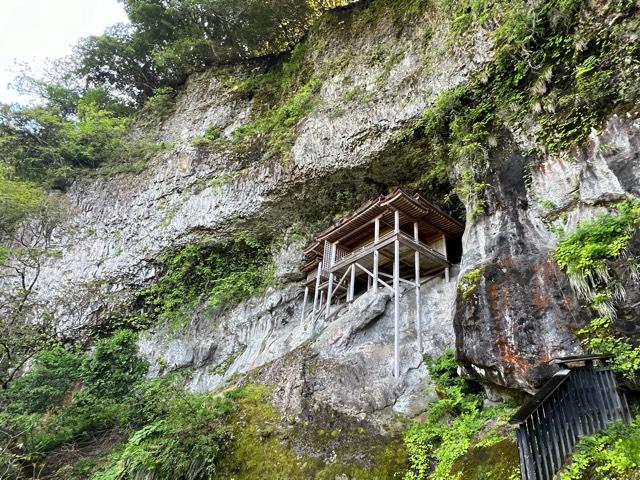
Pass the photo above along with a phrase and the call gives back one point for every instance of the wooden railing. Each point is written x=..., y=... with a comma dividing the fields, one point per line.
x=573, y=403
x=347, y=257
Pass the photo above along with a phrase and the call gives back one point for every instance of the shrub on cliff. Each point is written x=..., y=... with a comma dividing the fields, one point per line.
x=614, y=454
x=69, y=395
x=438, y=444
x=218, y=274
x=586, y=255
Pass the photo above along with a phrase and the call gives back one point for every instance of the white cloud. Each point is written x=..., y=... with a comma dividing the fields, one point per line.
x=33, y=30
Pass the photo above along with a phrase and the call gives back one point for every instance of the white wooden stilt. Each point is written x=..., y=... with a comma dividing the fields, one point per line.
x=396, y=299
x=417, y=279
x=444, y=251
x=304, y=304
x=352, y=283
x=330, y=284
x=316, y=294
x=376, y=255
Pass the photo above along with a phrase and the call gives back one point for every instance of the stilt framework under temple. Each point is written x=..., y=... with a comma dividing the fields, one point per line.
x=393, y=239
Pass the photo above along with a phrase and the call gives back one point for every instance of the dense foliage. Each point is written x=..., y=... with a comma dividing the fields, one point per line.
x=184, y=440
x=560, y=69
x=436, y=444
x=586, y=256
x=217, y=274
x=167, y=40
x=613, y=454
x=52, y=144
x=69, y=395
x=28, y=217
x=585, y=252
x=124, y=426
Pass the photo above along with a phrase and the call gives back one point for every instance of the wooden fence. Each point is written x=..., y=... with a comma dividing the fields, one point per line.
x=576, y=401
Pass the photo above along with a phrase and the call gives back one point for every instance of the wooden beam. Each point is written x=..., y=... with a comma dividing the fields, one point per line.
x=352, y=284
x=376, y=260
x=409, y=282
x=304, y=304
x=382, y=282
x=330, y=286
x=417, y=279
x=390, y=257
x=337, y=286
x=444, y=248
x=386, y=241
x=396, y=299
x=315, y=294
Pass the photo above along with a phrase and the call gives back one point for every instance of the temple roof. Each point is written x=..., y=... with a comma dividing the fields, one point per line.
x=351, y=228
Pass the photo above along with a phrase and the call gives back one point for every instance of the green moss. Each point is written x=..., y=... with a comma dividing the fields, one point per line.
x=356, y=93
x=218, y=274
x=258, y=453
x=275, y=126
x=468, y=283
x=157, y=107
x=262, y=449
x=212, y=135
x=499, y=461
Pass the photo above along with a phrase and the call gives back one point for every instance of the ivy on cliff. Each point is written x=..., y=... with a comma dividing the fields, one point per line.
x=218, y=274
x=560, y=69
x=586, y=256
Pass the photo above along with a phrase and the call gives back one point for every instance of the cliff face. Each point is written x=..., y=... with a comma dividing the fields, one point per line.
x=524, y=312
x=373, y=84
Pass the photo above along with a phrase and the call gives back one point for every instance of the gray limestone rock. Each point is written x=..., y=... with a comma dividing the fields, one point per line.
x=524, y=312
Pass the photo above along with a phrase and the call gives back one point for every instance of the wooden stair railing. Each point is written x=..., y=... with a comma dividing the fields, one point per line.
x=576, y=401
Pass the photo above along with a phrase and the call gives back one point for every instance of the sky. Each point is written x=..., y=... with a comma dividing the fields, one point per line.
x=33, y=30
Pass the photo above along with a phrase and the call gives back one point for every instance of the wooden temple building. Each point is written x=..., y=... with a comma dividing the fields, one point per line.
x=391, y=239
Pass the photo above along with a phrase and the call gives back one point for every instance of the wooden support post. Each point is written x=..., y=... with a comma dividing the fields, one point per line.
x=396, y=299
x=417, y=277
x=330, y=285
x=352, y=283
x=304, y=304
x=376, y=255
x=317, y=292
x=368, y=283
x=444, y=251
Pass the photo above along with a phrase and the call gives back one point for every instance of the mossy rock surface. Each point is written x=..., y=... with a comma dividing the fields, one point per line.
x=499, y=461
x=264, y=448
